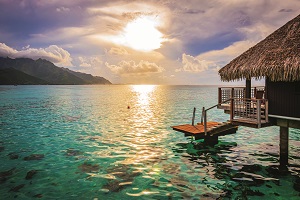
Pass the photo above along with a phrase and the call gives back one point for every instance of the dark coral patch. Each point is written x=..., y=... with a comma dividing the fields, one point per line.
x=17, y=188
x=13, y=156
x=30, y=174
x=34, y=157
x=87, y=167
x=38, y=196
x=6, y=174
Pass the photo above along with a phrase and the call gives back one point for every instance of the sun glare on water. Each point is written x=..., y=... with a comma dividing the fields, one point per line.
x=144, y=92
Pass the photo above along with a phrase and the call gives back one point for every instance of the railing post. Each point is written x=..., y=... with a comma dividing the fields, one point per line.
x=267, y=110
x=255, y=90
x=258, y=107
x=202, y=114
x=231, y=109
x=205, y=123
x=219, y=95
x=232, y=93
x=193, y=120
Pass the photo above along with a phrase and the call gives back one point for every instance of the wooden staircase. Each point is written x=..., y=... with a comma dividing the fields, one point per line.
x=243, y=112
x=214, y=129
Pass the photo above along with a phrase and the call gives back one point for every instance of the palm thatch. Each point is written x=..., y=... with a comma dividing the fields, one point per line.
x=276, y=57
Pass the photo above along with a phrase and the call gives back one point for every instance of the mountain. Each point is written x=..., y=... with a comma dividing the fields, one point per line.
x=11, y=76
x=89, y=78
x=47, y=71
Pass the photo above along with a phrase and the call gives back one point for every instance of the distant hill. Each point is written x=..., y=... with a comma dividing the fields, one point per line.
x=89, y=78
x=11, y=76
x=48, y=72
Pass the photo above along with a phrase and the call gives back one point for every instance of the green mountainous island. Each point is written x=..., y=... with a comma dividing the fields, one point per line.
x=26, y=71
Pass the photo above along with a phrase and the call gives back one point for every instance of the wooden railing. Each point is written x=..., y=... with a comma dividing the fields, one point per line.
x=225, y=93
x=249, y=110
x=204, y=115
x=252, y=111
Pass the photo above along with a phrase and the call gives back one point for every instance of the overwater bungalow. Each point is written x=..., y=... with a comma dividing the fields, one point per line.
x=275, y=59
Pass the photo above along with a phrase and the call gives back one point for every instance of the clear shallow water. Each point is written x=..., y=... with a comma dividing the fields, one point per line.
x=87, y=144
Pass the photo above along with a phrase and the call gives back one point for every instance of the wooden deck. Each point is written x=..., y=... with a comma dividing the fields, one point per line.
x=250, y=123
x=213, y=129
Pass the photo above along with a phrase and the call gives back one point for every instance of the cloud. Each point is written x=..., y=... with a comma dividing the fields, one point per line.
x=192, y=64
x=6, y=50
x=89, y=61
x=130, y=67
x=52, y=53
x=219, y=58
x=63, y=9
x=197, y=29
x=118, y=51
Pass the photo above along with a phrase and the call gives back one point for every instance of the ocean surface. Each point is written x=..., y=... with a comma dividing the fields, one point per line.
x=115, y=142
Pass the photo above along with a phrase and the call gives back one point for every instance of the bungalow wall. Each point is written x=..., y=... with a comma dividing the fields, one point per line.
x=284, y=98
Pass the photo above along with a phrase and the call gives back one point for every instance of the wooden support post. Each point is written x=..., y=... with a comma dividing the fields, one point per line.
x=284, y=146
x=258, y=109
x=266, y=88
x=193, y=120
x=211, y=140
x=202, y=115
x=232, y=104
x=205, y=123
x=254, y=92
x=231, y=109
x=248, y=95
x=248, y=89
x=219, y=95
x=267, y=110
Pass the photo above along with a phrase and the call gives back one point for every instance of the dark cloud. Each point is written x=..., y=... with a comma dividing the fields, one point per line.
x=21, y=20
x=286, y=10
x=194, y=11
x=218, y=41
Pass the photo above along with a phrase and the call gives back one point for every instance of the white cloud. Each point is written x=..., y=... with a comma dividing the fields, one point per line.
x=118, y=51
x=216, y=69
x=89, y=61
x=62, y=9
x=192, y=64
x=6, y=50
x=52, y=53
x=130, y=67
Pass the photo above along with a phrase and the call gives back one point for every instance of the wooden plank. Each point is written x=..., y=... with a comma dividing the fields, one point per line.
x=214, y=129
x=250, y=123
x=196, y=129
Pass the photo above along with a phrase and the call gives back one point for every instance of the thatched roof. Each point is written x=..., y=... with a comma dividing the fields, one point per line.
x=276, y=57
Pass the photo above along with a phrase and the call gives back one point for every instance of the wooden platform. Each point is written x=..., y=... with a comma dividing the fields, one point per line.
x=250, y=123
x=214, y=129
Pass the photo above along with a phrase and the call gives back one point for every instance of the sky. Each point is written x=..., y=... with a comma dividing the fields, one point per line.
x=170, y=42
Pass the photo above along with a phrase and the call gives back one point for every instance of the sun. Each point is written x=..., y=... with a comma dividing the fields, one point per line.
x=142, y=34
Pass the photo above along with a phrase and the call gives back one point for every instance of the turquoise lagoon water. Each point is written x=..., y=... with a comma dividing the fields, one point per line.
x=84, y=142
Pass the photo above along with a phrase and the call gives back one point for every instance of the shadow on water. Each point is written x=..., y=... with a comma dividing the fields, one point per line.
x=240, y=180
